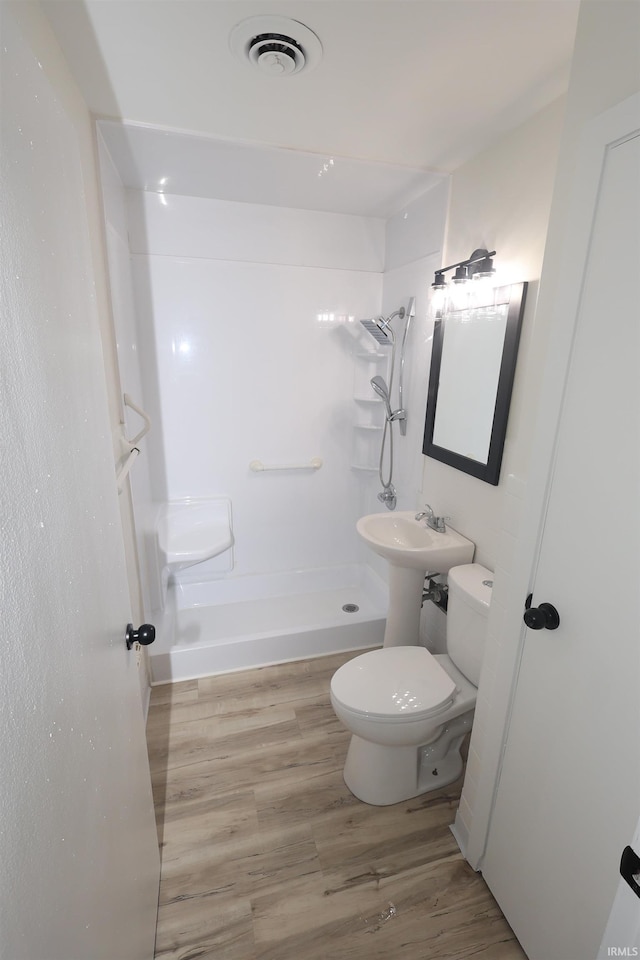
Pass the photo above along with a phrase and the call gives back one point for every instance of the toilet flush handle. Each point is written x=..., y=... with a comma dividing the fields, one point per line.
x=543, y=617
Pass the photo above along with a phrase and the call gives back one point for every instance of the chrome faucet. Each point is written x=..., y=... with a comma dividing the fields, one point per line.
x=433, y=522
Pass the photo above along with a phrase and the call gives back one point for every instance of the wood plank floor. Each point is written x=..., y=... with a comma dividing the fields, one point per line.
x=267, y=856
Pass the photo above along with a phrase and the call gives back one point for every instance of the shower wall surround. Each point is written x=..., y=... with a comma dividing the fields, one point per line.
x=237, y=353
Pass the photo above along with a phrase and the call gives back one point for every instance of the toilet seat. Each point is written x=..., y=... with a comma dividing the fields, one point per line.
x=401, y=684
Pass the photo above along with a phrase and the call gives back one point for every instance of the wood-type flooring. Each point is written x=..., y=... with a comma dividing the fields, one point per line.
x=267, y=856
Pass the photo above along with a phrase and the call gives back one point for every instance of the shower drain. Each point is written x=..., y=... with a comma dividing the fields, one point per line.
x=351, y=608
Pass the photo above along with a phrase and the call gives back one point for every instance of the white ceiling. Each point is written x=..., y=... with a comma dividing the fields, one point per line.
x=423, y=84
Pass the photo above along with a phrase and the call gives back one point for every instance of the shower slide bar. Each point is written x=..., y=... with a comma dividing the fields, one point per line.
x=258, y=466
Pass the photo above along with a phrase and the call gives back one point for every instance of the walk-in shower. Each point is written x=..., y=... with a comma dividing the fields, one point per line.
x=382, y=331
x=288, y=586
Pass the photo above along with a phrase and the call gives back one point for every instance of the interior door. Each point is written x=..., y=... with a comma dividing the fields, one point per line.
x=78, y=844
x=568, y=796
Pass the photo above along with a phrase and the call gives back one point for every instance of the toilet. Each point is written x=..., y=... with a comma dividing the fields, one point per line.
x=408, y=710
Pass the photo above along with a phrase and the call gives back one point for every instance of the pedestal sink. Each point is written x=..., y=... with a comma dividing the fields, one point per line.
x=412, y=549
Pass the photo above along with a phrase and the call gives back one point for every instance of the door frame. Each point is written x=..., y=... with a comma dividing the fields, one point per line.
x=604, y=131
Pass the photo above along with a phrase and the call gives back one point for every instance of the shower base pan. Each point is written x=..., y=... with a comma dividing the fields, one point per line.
x=235, y=624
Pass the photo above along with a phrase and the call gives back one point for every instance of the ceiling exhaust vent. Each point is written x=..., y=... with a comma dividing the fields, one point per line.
x=276, y=46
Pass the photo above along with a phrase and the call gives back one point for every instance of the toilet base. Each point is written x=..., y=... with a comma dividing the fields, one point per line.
x=381, y=775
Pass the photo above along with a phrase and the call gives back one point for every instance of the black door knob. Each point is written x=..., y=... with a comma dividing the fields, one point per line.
x=145, y=635
x=543, y=617
x=630, y=869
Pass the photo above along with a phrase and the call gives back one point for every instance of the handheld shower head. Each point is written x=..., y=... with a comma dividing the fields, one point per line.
x=380, y=387
x=382, y=390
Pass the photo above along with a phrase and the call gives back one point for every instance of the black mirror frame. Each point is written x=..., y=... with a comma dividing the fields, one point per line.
x=489, y=472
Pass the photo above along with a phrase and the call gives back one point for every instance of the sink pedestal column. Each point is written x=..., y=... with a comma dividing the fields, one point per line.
x=405, y=602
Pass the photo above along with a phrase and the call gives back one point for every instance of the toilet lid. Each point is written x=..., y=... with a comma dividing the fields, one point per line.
x=406, y=683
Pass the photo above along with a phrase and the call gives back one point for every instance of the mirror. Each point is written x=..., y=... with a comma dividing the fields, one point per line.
x=473, y=364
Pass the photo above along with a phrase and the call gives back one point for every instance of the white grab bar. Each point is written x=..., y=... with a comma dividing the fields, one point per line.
x=121, y=475
x=258, y=466
x=147, y=420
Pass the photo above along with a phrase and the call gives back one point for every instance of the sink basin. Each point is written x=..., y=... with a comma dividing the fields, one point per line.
x=407, y=542
x=411, y=548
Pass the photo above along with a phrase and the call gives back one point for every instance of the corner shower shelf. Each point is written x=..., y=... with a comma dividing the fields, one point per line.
x=368, y=408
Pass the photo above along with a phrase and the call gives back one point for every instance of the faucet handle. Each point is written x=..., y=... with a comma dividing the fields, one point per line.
x=439, y=523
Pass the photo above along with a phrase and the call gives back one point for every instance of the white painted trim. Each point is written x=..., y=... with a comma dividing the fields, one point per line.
x=145, y=693
x=599, y=136
x=460, y=834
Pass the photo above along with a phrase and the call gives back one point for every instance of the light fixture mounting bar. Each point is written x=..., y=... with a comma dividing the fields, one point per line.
x=475, y=257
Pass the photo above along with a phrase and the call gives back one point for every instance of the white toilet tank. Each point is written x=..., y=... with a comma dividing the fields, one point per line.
x=467, y=613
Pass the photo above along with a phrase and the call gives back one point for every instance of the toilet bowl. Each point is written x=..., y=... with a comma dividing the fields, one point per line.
x=408, y=710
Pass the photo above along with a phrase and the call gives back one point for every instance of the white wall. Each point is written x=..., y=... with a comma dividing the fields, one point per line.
x=499, y=200
x=414, y=250
x=76, y=817
x=605, y=70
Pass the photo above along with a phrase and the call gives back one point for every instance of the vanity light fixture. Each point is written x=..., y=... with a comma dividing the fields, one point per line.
x=479, y=266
